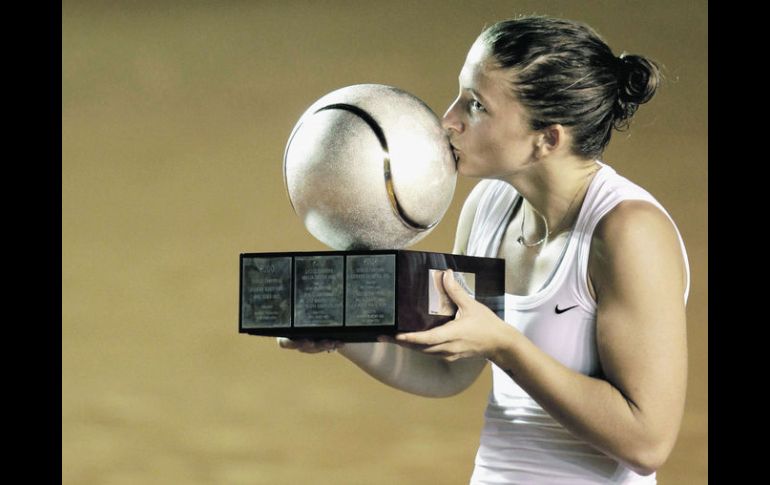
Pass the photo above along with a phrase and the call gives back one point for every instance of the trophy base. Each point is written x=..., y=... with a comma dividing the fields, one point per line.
x=358, y=295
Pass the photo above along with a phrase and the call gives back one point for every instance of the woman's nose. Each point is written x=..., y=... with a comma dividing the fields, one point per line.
x=450, y=121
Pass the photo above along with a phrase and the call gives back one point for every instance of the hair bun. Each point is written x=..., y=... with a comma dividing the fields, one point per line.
x=638, y=79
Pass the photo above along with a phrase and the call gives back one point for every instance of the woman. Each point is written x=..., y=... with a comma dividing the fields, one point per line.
x=590, y=364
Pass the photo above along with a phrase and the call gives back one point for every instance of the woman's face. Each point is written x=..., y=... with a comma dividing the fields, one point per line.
x=488, y=128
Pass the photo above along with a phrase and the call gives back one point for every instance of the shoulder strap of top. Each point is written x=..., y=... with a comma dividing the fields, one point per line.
x=492, y=214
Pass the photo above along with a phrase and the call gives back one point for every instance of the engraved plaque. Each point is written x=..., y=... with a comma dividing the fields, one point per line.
x=371, y=290
x=318, y=291
x=358, y=295
x=266, y=297
x=439, y=302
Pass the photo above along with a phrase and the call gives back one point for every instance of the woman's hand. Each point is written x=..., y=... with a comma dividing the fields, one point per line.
x=475, y=332
x=309, y=346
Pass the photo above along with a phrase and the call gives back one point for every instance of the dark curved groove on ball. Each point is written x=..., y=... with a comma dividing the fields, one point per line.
x=380, y=134
x=285, y=153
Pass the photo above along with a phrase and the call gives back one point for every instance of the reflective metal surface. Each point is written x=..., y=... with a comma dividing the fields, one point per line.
x=369, y=166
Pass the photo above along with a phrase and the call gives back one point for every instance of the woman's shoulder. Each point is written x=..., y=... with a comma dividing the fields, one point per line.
x=613, y=195
x=626, y=214
x=637, y=237
x=634, y=217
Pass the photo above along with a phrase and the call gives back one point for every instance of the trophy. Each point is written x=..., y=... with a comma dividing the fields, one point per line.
x=369, y=170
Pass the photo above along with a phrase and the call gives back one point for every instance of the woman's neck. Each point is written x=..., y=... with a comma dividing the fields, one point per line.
x=553, y=192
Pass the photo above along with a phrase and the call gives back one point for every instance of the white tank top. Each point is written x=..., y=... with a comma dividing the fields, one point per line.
x=520, y=442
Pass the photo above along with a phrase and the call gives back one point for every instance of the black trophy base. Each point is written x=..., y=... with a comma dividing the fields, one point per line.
x=356, y=296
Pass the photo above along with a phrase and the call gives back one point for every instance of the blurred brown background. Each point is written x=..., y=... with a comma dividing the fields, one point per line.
x=174, y=120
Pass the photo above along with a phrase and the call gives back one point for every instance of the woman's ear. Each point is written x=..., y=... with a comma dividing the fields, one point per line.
x=550, y=139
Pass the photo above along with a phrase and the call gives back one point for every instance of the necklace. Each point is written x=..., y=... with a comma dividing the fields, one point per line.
x=523, y=241
x=548, y=232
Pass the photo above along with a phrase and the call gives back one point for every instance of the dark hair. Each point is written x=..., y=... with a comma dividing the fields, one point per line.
x=563, y=72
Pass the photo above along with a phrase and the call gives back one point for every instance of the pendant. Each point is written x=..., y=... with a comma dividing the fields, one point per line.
x=524, y=243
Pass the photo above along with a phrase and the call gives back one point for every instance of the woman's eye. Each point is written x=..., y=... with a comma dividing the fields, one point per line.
x=476, y=106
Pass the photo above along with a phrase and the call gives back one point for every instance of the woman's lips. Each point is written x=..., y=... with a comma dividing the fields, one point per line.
x=455, y=152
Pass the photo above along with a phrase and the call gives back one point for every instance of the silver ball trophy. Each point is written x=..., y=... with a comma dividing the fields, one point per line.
x=369, y=166
x=369, y=170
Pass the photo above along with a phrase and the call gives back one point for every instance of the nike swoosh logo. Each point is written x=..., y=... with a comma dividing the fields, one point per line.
x=558, y=311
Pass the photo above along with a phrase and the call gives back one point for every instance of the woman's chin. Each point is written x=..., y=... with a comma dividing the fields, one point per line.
x=467, y=170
